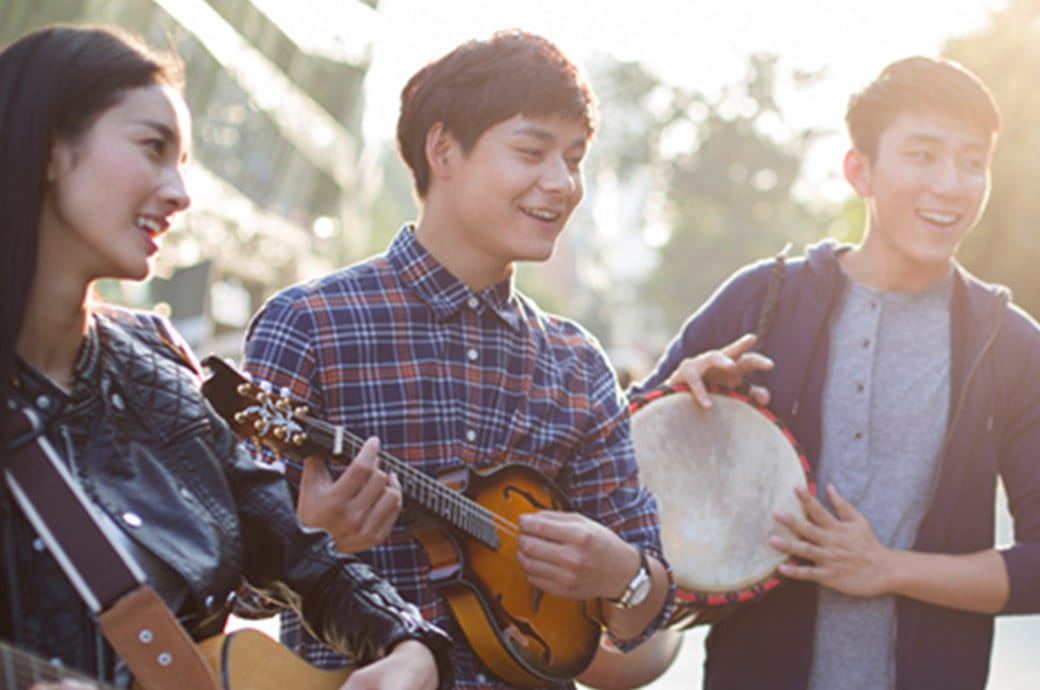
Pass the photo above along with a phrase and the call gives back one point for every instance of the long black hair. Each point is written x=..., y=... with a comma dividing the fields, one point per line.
x=54, y=83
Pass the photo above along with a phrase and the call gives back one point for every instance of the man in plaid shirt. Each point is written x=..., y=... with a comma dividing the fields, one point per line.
x=431, y=352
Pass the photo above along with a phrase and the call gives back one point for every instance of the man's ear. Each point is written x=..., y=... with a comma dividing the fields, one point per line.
x=856, y=167
x=440, y=150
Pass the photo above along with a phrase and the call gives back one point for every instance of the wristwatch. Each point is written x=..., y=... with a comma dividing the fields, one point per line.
x=639, y=587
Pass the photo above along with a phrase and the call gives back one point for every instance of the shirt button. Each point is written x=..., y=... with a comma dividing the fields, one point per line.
x=866, y=343
x=38, y=544
x=472, y=354
x=43, y=402
x=473, y=302
x=859, y=387
x=117, y=401
x=132, y=519
x=873, y=304
x=858, y=435
x=471, y=436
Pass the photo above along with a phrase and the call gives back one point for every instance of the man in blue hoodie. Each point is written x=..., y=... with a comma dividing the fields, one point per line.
x=912, y=387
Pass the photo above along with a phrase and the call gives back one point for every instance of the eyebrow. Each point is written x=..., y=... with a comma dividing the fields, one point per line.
x=925, y=138
x=164, y=131
x=543, y=134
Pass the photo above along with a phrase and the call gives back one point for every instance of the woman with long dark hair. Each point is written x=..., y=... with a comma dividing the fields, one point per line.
x=94, y=133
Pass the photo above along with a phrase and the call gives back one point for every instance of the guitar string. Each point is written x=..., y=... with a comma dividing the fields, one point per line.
x=464, y=503
x=460, y=501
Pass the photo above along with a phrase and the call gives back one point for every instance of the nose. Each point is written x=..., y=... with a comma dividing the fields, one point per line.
x=560, y=177
x=173, y=192
x=948, y=178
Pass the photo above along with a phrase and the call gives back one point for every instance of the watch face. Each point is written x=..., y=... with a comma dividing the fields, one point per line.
x=641, y=590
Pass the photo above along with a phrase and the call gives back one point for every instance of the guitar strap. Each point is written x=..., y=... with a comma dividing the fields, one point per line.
x=772, y=296
x=133, y=618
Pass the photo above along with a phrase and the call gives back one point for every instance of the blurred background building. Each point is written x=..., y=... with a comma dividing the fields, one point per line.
x=277, y=174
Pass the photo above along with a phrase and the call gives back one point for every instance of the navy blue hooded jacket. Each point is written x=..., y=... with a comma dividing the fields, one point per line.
x=993, y=429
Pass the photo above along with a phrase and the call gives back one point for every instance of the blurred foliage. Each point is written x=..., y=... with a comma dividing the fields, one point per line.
x=1006, y=55
x=393, y=206
x=722, y=172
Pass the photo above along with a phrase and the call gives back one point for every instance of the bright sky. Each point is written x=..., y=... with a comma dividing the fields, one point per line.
x=701, y=44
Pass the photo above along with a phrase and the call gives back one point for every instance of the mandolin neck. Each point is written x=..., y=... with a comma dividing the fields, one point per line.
x=447, y=506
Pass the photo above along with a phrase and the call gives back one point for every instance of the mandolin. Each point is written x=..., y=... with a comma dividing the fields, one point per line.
x=470, y=532
x=244, y=660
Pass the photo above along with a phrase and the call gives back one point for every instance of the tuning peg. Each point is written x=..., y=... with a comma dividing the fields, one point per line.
x=259, y=425
x=244, y=389
x=298, y=439
x=280, y=433
x=241, y=417
x=302, y=411
x=283, y=405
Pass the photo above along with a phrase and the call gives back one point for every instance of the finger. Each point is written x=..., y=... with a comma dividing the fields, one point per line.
x=360, y=471
x=698, y=390
x=797, y=547
x=803, y=571
x=315, y=476
x=739, y=346
x=379, y=521
x=760, y=394
x=842, y=508
x=801, y=527
x=549, y=525
x=364, y=500
x=754, y=361
x=544, y=573
x=815, y=510
x=709, y=368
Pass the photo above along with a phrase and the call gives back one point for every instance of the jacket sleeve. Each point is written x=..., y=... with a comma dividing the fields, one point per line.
x=341, y=600
x=720, y=320
x=1019, y=444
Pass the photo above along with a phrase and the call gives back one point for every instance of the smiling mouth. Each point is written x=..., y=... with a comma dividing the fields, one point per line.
x=153, y=226
x=938, y=217
x=541, y=213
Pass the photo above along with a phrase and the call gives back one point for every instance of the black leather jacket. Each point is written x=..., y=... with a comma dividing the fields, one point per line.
x=195, y=508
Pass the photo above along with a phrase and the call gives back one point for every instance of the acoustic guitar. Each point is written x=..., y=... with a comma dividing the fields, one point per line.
x=470, y=532
x=244, y=660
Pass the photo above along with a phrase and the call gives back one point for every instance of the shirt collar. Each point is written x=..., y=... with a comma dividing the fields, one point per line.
x=445, y=294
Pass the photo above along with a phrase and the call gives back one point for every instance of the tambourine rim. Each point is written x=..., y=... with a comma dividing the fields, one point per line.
x=762, y=587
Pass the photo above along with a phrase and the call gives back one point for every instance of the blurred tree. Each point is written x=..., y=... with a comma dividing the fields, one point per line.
x=721, y=174
x=1006, y=54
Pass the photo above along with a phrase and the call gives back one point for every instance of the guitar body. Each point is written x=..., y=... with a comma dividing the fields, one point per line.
x=527, y=637
x=244, y=660
x=250, y=660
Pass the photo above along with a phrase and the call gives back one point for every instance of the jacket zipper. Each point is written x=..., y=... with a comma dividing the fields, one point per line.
x=960, y=403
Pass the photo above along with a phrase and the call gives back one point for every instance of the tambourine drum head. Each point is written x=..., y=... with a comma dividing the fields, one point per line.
x=718, y=475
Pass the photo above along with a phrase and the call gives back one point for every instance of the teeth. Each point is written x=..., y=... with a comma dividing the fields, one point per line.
x=150, y=224
x=938, y=218
x=541, y=214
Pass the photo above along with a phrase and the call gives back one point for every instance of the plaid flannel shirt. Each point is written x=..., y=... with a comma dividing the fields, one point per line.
x=398, y=348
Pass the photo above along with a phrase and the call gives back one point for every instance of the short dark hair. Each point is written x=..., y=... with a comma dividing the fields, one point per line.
x=482, y=83
x=917, y=83
x=54, y=84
